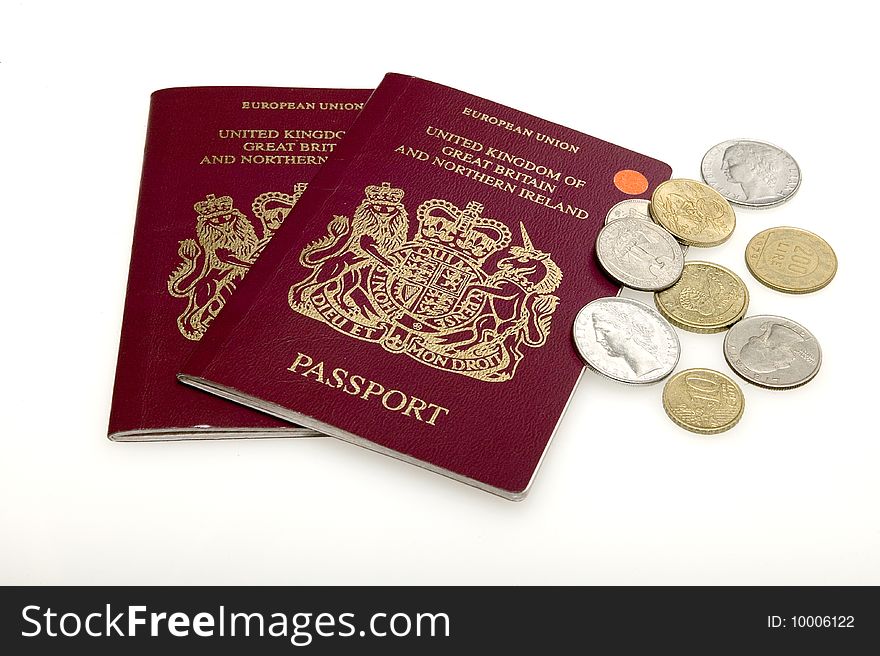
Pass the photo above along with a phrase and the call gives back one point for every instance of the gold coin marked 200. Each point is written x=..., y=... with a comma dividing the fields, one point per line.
x=791, y=260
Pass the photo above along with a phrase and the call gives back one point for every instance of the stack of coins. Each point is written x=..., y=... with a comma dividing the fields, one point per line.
x=643, y=246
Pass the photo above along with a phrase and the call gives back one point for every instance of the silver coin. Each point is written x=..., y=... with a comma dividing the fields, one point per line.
x=639, y=254
x=772, y=352
x=626, y=340
x=635, y=208
x=631, y=208
x=751, y=173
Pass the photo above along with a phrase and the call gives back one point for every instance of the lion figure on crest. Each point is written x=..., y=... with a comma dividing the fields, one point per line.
x=341, y=259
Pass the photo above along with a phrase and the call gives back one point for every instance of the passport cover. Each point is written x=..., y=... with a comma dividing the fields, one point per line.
x=223, y=167
x=424, y=305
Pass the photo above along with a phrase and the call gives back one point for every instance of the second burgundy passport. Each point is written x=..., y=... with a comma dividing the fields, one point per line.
x=223, y=167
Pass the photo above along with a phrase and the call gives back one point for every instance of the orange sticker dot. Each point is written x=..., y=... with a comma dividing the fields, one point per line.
x=631, y=182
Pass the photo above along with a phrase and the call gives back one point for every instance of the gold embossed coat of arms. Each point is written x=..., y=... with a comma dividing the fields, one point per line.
x=451, y=292
x=227, y=244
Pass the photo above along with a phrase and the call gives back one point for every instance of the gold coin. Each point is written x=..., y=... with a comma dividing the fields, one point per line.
x=703, y=401
x=708, y=298
x=695, y=213
x=791, y=260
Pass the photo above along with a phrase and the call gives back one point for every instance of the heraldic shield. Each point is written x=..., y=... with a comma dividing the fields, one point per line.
x=456, y=295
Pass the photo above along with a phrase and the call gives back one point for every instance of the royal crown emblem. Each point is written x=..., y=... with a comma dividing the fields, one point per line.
x=465, y=231
x=383, y=193
x=227, y=243
x=455, y=296
x=213, y=206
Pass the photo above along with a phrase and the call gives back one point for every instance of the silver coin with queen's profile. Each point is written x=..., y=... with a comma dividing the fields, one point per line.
x=751, y=173
x=626, y=340
x=772, y=352
x=639, y=254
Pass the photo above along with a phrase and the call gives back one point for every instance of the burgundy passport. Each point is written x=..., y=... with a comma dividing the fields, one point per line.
x=423, y=304
x=223, y=167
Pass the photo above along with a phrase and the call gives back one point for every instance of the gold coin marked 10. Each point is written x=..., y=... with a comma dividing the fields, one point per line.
x=708, y=298
x=703, y=401
x=791, y=260
x=694, y=213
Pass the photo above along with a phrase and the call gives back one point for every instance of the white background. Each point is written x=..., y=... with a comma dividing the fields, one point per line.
x=790, y=496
